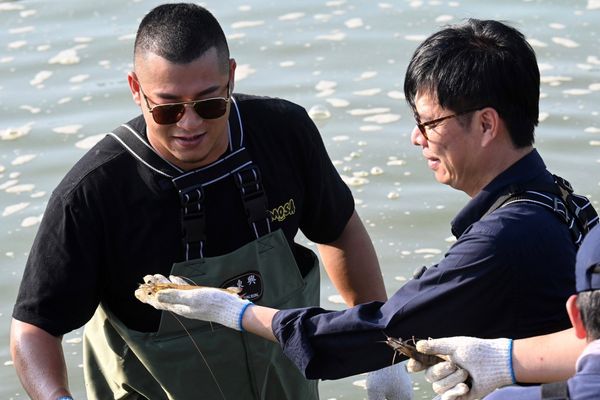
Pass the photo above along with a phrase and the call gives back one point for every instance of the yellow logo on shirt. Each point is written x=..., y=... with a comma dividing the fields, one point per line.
x=282, y=212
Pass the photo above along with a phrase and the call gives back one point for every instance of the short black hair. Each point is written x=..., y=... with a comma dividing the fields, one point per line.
x=480, y=63
x=180, y=33
x=589, y=308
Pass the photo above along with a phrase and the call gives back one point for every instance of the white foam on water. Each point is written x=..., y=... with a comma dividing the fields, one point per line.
x=21, y=29
x=593, y=60
x=545, y=67
x=15, y=208
x=326, y=93
x=335, y=36
x=396, y=163
x=393, y=195
x=291, y=16
x=382, y=118
x=68, y=129
x=415, y=38
x=367, y=92
x=593, y=5
x=536, y=43
x=594, y=86
x=555, y=79
x=7, y=59
x=595, y=143
x=31, y=109
x=66, y=57
x=362, y=383
x=319, y=112
x=370, y=128
x=577, y=92
x=287, y=64
x=17, y=44
x=556, y=25
x=79, y=78
x=592, y=129
x=245, y=7
x=18, y=189
x=565, y=42
x=400, y=278
x=340, y=138
x=247, y=24
x=9, y=183
x=376, y=171
x=585, y=67
x=31, y=221
x=366, y=75
x=23, y=159
x=444, y=19
x=543, y=116
x=11, y=7
x=64, y=100
x=16, y=133
x=2, y=168
x=385, y=6
x=27, y=13
x=323, y=85
x=40, y=78
x=89, y=142
x=354, y=23
x=338, y=103
x=243, y=71
x=38, y=194
x=396, y=94
x=354, y=181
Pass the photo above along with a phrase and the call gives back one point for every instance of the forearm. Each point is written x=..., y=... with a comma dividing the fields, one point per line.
x=39, y=361
x=352, y=265
x=258, y=319
x=546, y=358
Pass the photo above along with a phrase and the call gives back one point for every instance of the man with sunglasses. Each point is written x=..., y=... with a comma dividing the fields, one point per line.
x=474, y=90
x=207, y=185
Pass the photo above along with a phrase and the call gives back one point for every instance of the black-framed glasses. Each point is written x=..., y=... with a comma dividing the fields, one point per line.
x=170, y=113
x=434, y=122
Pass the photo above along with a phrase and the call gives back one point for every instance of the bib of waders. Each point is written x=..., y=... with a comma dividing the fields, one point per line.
x=190, y=359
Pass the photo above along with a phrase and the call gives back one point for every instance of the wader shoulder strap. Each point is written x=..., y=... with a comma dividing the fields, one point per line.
x=555, y=391
x=190, y=184
x=574, y=210
x=134, y=142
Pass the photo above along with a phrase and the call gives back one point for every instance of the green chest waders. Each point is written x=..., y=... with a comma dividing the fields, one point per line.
x=189, y=359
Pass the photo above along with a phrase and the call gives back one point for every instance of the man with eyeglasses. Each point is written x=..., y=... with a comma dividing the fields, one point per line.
x=474, y=90
x=207, y=185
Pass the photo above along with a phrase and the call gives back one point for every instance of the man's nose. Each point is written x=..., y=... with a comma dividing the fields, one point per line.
x=417, y=138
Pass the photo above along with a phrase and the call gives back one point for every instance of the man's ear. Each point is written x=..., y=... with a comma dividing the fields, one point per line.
x=232, y=66
x=488, y=122
x=575, y=317
x=134, y=86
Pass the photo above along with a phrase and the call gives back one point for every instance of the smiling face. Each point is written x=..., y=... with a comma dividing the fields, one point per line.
x=192, y=141
x=453, y=151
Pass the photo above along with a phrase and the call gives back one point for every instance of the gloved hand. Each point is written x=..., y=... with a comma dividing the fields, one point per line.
x=390, y=383
x=206, y=303
x=488, y=362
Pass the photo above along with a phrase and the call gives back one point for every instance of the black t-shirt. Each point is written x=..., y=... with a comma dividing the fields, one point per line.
x=112, y=220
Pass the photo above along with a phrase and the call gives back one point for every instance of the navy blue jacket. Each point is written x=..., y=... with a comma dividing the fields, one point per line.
x=507, y=275
x=585, y=385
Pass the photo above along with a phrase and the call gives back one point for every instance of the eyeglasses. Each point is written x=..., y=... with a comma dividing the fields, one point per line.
x=170, y=113
x=434, y=122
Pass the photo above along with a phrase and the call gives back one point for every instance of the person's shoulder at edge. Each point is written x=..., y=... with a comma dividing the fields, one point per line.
x=106, y=151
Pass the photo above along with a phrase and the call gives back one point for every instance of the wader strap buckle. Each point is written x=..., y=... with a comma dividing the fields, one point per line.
x=193, y=221
x=249, y=182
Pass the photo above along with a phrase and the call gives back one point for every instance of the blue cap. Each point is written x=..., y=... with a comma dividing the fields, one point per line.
x=587, y=267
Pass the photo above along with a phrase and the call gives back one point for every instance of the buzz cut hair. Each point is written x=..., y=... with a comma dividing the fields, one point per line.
x=180, y=33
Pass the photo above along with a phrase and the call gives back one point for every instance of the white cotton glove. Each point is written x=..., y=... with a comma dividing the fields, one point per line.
x=488, y=362
x=205, y=303
x=391, y=383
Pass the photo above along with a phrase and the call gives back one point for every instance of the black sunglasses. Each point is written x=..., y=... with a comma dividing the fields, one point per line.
x=423, y=125
x=170, y=113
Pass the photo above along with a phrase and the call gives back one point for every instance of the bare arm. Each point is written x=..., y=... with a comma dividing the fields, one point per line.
x=546, y=358
x=352, y=265
x=39, y=361
x=258, y=319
